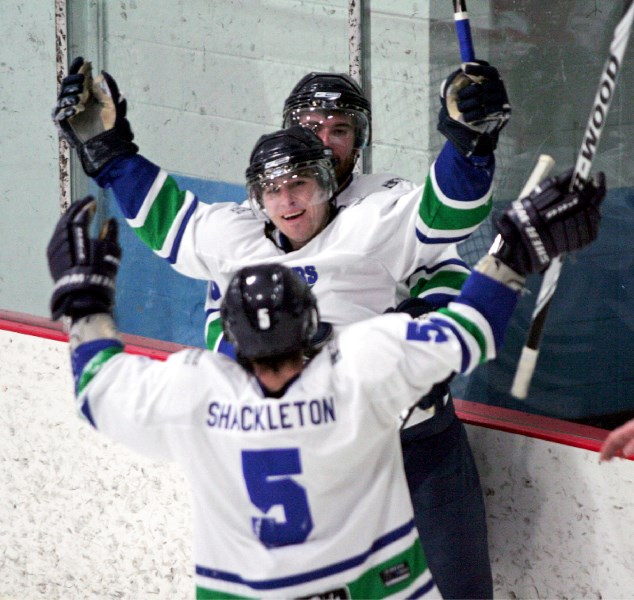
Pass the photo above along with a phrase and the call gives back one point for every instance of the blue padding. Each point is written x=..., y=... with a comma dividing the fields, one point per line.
x=492, y=299
x=130, y=178
x=463, y=178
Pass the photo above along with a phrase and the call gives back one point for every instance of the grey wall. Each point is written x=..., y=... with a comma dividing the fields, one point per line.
x=28, y=153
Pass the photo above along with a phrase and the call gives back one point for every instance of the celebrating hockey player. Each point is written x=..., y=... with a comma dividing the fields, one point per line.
x=401, y=236
x=269, y=443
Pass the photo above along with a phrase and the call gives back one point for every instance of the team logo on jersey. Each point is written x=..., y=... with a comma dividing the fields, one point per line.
x=395, y=574
x=239, y=209
x=308, y=273
x=390, y=183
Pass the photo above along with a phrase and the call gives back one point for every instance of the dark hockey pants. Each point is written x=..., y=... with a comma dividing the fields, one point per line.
x=449, y=507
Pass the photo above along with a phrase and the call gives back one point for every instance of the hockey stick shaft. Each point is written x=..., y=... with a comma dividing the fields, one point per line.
x=463, y=31
x=589, y=145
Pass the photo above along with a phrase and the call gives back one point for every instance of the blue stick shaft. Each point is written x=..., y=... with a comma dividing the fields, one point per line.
x=463, y=31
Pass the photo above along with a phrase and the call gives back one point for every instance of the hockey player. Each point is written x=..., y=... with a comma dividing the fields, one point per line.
x=445, y=485
x=384, y=244
x=269, y=443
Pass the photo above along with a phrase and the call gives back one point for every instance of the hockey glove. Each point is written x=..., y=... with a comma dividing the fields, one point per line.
x=550, y=221
x=414, y=307
x=91, y=116
x=474, y=108
x=83, y=269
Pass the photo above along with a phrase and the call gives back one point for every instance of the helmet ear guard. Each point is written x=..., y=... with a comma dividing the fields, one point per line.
x=268, y=311
x=330, y=92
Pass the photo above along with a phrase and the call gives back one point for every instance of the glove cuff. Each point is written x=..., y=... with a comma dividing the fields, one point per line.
x=494, y=267
x=92, y=327
x=97, y=152
x=467, y=141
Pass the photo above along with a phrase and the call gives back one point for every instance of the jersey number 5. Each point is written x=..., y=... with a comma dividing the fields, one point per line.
x=266, y=473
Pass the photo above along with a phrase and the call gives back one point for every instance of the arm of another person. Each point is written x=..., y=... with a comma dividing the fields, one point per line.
x=621, y=440
x=91, y=115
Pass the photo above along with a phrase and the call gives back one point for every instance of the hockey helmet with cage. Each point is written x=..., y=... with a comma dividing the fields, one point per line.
x=268, y=311
x=330, y=92
x=287, y=154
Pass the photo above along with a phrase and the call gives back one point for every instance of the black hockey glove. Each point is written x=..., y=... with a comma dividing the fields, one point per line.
x=91, y=116
x=474, y=108
x=83, y=269
x=414, y=307
x=550, y=221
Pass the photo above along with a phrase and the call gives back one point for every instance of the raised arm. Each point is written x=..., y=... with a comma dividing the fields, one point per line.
x=91, y=115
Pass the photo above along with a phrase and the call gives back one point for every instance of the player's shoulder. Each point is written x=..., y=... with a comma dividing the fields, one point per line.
x=364, y=185
x=200, y=362
x=373, y=346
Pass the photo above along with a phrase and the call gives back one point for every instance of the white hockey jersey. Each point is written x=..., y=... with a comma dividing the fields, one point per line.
x=403, y=235
x=302, y=495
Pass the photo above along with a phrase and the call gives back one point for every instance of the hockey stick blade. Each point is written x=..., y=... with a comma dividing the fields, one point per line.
x=589, y=145
x=463, y=31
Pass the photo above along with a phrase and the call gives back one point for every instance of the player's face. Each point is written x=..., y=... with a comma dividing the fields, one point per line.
x=297, y=206
x=337, y=131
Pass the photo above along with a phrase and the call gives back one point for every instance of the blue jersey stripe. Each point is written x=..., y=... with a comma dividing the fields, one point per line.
x=440, y=240
x=281, y=582
x=441, y=265
x=423, y=589
x=181, y=230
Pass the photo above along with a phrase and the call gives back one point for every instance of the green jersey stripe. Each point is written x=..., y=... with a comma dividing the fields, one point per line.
x=436, y=215
x=393, y=575
x=449, y=279
x=95, y=364
x=162, y=214
x=472, y=328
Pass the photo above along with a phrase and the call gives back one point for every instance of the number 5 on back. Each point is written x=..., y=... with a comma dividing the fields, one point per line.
x=266, y=476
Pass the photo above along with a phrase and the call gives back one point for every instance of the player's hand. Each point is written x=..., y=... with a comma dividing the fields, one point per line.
x=549, y=222
x=91, y=115
x=414, y=307
x=83, y=269
x=621, y=439
x=474, y=108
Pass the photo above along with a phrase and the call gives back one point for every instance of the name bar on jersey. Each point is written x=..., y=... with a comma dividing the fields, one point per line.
x=272, y=416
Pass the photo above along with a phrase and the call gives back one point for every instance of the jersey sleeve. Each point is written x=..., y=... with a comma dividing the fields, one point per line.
x=135, y=400
x=454, y=200
x=173, y=223
x=138, y=401
x=396, y=359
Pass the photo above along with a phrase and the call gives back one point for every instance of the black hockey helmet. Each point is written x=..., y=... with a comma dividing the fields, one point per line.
x=330, y=92
x=287, y=153
x=268, y=311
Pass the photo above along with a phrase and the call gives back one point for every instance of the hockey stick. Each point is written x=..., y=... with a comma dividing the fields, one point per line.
x=594, y=129
x=463, y=31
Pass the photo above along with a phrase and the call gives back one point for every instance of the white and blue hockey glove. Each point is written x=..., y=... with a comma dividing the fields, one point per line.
x=474, y=108
x=83, y=269
x=91, y=116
